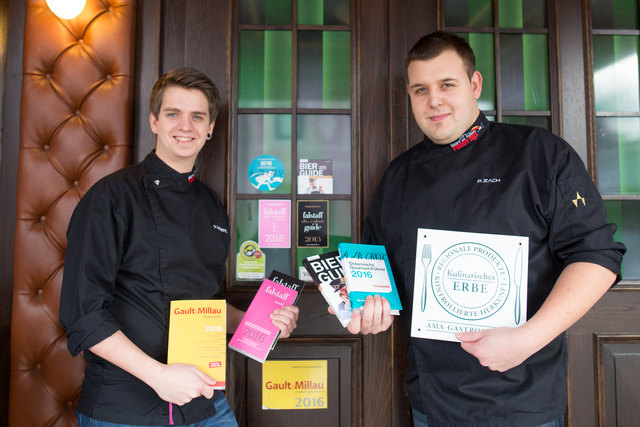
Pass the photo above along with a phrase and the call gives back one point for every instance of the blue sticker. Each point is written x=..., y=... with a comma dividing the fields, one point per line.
x=266, y=172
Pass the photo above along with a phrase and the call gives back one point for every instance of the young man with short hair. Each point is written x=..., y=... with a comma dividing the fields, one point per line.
x=141, y=237
x=473, y=175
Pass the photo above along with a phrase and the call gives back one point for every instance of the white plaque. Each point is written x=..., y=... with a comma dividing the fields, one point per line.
x=468, y=282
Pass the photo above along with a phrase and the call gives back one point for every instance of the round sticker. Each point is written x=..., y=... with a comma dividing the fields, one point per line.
x=266, y=172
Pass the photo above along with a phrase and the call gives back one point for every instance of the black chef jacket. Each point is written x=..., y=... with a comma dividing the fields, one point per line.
x=139, y=238
x=501, y=179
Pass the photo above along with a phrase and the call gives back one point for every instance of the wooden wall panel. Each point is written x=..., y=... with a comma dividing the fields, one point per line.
x=617, y=379
x=604, y=340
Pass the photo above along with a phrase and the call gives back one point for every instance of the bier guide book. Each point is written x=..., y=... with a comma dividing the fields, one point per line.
x=468, y=282
x=327, y=273
x=289, y=282
x=198, y=336
x=256, y=332
x=367, y=272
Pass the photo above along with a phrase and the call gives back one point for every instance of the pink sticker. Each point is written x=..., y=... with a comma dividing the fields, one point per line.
x=274, y=225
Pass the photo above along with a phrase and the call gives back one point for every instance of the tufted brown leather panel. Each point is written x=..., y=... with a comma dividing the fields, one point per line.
x=75, y=127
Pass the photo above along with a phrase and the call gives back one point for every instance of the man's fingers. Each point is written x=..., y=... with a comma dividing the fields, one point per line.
x=354, y=324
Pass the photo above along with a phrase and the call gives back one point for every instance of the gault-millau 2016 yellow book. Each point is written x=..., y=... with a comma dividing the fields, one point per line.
x=198, y=336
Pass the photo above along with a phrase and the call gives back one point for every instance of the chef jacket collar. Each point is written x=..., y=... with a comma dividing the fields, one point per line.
x=475, y=132
x=156, y=166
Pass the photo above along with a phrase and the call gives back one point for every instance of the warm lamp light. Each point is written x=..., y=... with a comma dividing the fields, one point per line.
x=66, y=9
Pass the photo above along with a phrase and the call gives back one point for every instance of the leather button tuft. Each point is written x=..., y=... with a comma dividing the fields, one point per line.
x=46, y=147
x=43, y=218
x=40, y=292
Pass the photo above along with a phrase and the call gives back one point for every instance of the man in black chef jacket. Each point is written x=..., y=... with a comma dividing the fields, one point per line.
x=138, y=239
x=473, y=175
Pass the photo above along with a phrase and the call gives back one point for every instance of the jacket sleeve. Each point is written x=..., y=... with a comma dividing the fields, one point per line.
x=579, y=231
x=94, y=247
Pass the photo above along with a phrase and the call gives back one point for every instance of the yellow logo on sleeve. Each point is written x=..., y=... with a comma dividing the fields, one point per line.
x=579, y=198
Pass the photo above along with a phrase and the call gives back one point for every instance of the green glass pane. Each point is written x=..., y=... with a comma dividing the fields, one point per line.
x=339, y=231
x=247, y=226
x=525, y=76
x=543, y=122
x=616, y=77
x=260, y=12
x=536, y=71
x=328, y=138
x=468, y=13
x=522, y=13
x=336, y=69
x=324, y=69
x=510, y=13
x=323, y=12
x=618, y=142
x=482, y=45
x=264, y=69
x=626, y=215
x=263, y=134
x=616, y=14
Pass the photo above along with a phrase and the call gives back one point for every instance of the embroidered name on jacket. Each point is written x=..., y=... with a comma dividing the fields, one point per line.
x=466, y=138
x=217, y=227
x=488, y=180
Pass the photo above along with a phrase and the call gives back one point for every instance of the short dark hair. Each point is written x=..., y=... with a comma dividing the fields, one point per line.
x=188, y=78
x=433, y=44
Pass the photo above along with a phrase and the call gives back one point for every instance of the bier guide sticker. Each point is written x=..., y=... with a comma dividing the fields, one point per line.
x=294, y=384
x=468, y=282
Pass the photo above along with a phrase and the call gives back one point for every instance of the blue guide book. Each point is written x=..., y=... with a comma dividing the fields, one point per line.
x=367, y=272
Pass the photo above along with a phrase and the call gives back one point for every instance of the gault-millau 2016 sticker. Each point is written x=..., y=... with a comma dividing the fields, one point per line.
x=266, y=172
x=468, y=282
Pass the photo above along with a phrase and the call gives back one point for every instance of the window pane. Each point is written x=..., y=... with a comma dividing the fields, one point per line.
x=522, y=13
x=615, y=79
x=247, y=226
x=324, y=69
x=258, y=135
x=323, y=12
x=468, y=13
x=339, y=230
x=259, y=12
x=625, y=214
x=618, y=140
x=327, y=137
x=543, y=122
x=264, y=69
x=482, y=45
x=525, y=75
x=616, y=14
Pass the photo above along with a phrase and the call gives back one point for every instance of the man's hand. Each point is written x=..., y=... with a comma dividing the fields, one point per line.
x=285, y=319
x=180, y=383
x=578, y=288
x=176, y=383
x=374, y=317
x=498, y=349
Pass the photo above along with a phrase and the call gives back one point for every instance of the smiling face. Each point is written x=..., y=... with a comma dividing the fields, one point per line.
x=443, y=98
x=181, y=127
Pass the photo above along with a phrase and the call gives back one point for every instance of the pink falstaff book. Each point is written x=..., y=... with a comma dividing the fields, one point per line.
x=256, y=332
